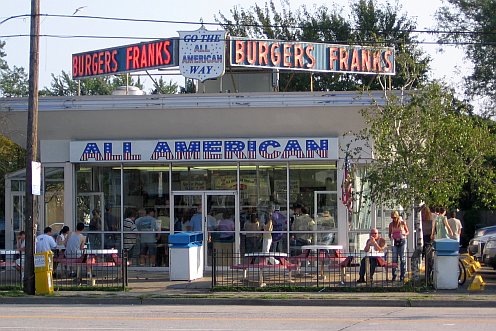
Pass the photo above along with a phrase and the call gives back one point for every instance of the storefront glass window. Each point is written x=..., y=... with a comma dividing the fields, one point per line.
x=204, y=177
x=312, y=192
x=146, y=222
x=98, y=203
x=54, y=198
x=263, y=193
x=361, y=218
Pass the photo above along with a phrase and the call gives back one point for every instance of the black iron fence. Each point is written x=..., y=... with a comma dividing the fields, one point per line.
x=319, y=269
x=98, y=270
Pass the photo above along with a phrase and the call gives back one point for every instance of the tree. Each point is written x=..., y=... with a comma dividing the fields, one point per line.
x=471, y=24
x=12, y=157
x=426, y=147
x=13, y=82
x=63, y=84
x=161, y=87
x=369, y=25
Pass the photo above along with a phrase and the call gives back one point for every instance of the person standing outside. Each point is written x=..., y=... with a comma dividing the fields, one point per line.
x=440, y=227
x=267, y=239
x=374, y=244
x=456, y=226
x=45, y=242
x=398, y=232
x=252, y=236
x=148, y=240
x=130, y=235
x=426, y=215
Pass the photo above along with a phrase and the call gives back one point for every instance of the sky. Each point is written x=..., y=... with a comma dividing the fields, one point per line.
x=55, y=53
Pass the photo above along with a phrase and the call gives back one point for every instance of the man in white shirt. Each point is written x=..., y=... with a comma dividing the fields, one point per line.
x=455, y=225
x=45, y=242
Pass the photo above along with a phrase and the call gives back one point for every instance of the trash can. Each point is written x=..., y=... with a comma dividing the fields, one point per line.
x=445, y=264
x=186, y=256
x=43, y=267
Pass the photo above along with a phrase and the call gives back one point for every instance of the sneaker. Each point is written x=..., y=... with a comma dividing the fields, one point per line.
x=360, y=280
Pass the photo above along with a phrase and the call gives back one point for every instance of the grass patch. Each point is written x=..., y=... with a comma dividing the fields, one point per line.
x=91, y=288
x=14, y=292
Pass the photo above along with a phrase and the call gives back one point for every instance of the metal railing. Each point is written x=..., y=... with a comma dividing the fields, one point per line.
x=96, y=272
x=236, y=271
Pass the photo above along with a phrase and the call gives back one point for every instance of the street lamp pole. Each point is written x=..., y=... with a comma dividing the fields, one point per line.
x=32, y=147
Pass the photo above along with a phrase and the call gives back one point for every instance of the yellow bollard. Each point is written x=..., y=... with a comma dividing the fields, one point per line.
x=43, y=266
x=477, y=284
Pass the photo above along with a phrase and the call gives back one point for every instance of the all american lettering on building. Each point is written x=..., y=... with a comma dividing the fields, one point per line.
x=320, y=148
x=202, y=54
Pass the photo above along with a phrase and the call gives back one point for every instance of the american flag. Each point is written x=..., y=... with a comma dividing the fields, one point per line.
x=347, y=185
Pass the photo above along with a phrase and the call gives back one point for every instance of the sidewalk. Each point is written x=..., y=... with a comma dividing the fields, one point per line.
x=154, y=288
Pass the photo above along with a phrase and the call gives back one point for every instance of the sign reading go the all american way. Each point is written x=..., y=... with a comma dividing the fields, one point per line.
x=202, y=53
x=277, y=54
x=204, y=150
x=136, y=57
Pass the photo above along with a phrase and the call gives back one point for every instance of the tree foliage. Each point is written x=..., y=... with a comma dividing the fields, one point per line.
x=63, y=84
x=12, y=157
x=161, y=87
x=13, y=82
x=426, y=148
x=368, y=25
x=472, y=24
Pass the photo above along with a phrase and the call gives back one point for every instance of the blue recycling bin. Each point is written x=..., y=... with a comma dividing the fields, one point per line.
x=446, y=264
x=186, y=256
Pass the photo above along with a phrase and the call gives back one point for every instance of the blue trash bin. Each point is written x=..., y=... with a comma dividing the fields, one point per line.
x=446, y=264
x=186, y=256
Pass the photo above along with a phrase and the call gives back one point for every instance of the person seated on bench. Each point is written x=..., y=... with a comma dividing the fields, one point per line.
x=374, y=244
x=21, y=247
x=75, y=244
x=45, y=242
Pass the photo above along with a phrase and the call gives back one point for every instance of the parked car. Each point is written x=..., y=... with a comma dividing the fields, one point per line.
x=489, y=256
x=476, y=245
x=485, y=231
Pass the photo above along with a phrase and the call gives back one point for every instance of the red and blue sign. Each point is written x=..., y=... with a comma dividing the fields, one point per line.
x=243, y=149
x=135, y=57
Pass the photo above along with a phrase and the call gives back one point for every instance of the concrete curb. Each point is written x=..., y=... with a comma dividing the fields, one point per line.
x=349, y=302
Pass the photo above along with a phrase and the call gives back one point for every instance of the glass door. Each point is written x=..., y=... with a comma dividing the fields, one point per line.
x=18, y=209
x=214, y=213
x=89, y=212
x=325, y=206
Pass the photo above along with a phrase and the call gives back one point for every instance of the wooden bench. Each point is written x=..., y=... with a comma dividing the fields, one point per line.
x=7, y=264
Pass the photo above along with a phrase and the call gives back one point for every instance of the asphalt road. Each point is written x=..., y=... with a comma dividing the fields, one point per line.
x=218, y=317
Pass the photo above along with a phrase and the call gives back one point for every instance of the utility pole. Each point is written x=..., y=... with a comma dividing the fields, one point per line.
x=32, y=147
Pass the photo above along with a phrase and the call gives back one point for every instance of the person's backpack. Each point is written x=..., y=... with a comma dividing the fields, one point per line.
x=278, y=222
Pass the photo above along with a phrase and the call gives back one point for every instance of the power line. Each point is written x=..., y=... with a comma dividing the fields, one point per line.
x=389, y=42
x=137, y=20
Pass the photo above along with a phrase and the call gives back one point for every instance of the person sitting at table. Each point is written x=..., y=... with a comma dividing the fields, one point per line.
x=75, y=244
x=21, y=247
x=374, y=244
x=62, y=237
x=45, y=242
